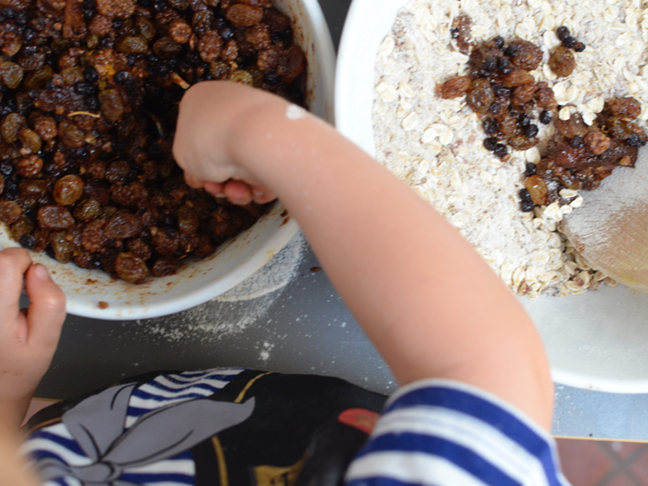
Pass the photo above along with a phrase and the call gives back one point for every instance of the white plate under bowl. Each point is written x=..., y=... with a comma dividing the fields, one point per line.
x=597, y=340
x=201, y=280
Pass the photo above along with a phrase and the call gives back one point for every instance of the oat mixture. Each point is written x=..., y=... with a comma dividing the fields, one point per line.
x=436, y=145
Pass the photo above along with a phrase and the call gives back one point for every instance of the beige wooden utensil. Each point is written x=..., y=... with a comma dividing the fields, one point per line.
x=610, y=229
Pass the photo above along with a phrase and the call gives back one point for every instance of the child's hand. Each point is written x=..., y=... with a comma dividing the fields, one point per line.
x=202, y=144
x=28, y=337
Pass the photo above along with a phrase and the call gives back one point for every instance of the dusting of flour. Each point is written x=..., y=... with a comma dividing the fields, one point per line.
x=436, y=145
x=294, y=112
x=239, y=308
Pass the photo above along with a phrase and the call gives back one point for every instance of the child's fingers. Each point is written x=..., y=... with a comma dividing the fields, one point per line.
x=46, y=311
x=262, y=195
x=238, y=192
x=215, y=188
x=193, y=182
x=14, y=262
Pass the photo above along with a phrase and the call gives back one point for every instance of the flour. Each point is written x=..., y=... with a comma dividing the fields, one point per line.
x=294, y=112
x=265, y=351
x=238, y=309
x=274, y=275
x=436, y=145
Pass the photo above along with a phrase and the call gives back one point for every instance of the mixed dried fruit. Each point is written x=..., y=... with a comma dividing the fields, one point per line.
x=500, y=88
x=582, y=156
x=502, y=91
x=88, y=106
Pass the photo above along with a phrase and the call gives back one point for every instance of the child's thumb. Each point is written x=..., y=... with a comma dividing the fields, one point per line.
x=46, y=311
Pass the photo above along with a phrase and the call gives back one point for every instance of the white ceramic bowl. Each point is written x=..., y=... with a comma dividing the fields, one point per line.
x=598, y=340
x=202, y=280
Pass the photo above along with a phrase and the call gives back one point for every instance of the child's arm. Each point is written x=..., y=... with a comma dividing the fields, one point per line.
x=28, y=338
x=426, y=299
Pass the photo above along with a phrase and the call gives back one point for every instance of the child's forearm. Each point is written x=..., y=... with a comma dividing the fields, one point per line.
x=426, y=299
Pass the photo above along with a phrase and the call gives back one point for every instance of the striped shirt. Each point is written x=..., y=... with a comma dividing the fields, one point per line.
x=441, y=432
x=434, y=432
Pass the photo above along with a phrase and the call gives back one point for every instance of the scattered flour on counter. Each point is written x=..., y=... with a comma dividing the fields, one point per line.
x=274, y=275
x=265, y=351
x=239, y=308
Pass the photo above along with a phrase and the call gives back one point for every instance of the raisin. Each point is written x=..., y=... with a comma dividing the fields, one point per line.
x=10, y=126
x=454, y=88
x=531, y=130
x=545, y=117
x=597, y=142
x=527, y=55
x=530, y=169
x=117, y=171
x=579, y=46
x=27, y=241
x=518, y=77
x=576, y=142
x=68, y=189
x=132, y=44
x=524, y=120
x=9, y=212
x=624, y=107
x=93, y=238
x=572, y=127
x=500, y=150
x=210, y=46
x=480, y=96
x=30, y=140
x=537, y=190
x=122, y=225
x=180, y=31
x=461, y=31
x=634, y=141
x=46, y=128
x=87, y=210
x=164, y=266
x=63, y=249
x=490, y=144
x=490, y=126
x=562, y=32
x=523, y=94
x=504, y=65
x=292, y=63
x=131, y=268
x=116, y=8
x=569, y=42
x=512, y=50
x=562, y=62
x=243, y=15
x=29, y=166
x=11, y=74
x=54, y=218
x=526, y=206
x=522, y=142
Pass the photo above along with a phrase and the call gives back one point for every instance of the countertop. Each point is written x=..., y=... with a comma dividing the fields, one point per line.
x=288, y=318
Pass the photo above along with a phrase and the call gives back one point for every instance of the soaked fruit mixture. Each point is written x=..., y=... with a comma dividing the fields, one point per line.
x=88, y=104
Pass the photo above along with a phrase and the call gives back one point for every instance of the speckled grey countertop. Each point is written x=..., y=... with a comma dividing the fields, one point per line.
x=302, y=327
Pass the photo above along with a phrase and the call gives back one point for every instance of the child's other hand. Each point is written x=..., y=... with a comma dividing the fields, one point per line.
x=28, y=337
x=205, y=133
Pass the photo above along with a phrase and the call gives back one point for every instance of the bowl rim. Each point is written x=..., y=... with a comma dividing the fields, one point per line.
x=319, y=36
x=356, y=57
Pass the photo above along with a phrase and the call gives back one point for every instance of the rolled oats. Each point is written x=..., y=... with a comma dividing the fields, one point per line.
x=436, y=145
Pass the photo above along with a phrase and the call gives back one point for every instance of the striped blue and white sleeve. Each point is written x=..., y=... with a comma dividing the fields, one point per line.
x=441, y=432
